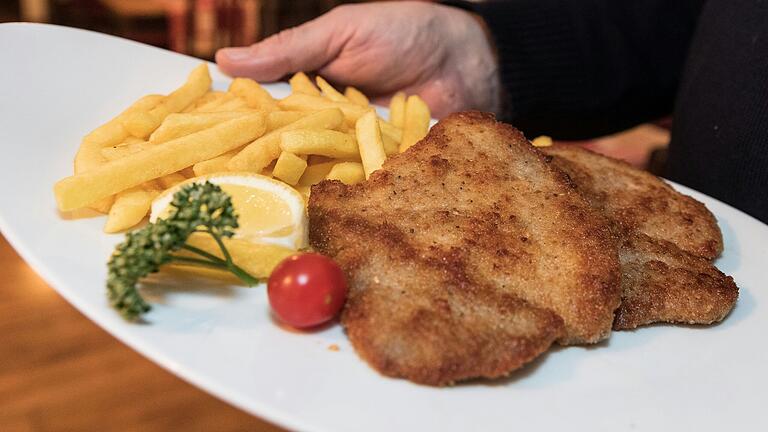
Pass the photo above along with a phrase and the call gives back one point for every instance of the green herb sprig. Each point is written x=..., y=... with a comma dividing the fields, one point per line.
x=196, y=208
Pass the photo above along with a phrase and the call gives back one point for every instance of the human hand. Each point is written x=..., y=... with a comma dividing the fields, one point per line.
x=438, y=52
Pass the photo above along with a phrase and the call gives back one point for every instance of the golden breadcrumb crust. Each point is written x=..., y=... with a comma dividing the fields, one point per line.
x=467, y=255
x=667, y=242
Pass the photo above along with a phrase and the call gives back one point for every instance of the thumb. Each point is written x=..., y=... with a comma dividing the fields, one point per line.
x=304, y=48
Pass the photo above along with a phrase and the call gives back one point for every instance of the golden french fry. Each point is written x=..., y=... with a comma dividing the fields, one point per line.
x=142, y=124
x=179, y=125
x=132, y=145
x=133, y=141
x=215, y=165
x=278, y=119
x=268, y=170
x=416, y=124
x=103, y=205
x=347, y=172
x=258, y=154
x=356, y=96
x=390, y=146
x=304, y=190
x=316, y=159
x=542, y=141
x=109, y=134
x=328, y=91
x=83, y=189
x=204, y=100
x=214, y=102
x=304, y=102
x=314, y=173
x=369, y=141
x=289, y=168
x=130, y=207
x=258, y=259
x=300, y=83
x=254, y=94
x=390, y=130
x=170, y=180
x=346, y=127
x=198, y=83
x=235, y=104
x=397, y=110
x=391, y=137
x=322, y=142
x=112, y=132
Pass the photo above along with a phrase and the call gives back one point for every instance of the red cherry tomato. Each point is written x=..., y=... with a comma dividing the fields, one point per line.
x=306, y=290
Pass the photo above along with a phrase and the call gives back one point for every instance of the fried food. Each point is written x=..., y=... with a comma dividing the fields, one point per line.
x=300, y=83
x=130, y=207
x=179, y=125
x=638, y=201
x=467, y=256
x=109, y=134
x=662, y=283
x=83, y=189
x=328, y=91
x=289, y=168
x=316, y=172
x=323, y=142
x=415, y=122
x=254, y=94
x=348, y=173
x=307, y=124
x=356, y=97
x=397, y=109
x=260, y=153
x=305, y=102
x=667, y=240
x=143, y=122
x=370, y=144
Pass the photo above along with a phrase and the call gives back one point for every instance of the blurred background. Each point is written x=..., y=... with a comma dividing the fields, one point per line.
x=194, y=27
x=59, y=371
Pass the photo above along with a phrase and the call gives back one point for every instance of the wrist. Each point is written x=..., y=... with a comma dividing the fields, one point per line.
x=474, y=59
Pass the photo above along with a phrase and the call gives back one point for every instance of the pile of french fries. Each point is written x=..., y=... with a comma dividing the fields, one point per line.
x=313, y=134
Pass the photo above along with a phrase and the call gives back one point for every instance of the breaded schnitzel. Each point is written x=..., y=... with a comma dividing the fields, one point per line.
x=667, y=241
x=467, y=255
x=638, y=201
x=662, y=283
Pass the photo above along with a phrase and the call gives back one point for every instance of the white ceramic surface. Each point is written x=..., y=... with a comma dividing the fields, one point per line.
x=57, y=83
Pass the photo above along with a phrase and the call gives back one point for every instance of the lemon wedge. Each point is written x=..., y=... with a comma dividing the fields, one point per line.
x=269, y=211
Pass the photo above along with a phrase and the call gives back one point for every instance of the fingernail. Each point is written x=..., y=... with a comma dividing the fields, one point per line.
x=236, y=54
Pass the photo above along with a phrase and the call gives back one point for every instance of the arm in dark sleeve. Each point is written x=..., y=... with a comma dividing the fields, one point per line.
x=720, y=129
x=576, y=69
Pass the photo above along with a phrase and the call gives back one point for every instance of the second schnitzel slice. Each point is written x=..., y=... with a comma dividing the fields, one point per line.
x=667, y=242
x=638, y=201
x=467, y=255
x=662, y=283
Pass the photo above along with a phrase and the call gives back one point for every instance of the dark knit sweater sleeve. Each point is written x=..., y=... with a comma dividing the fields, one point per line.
x=575, y=69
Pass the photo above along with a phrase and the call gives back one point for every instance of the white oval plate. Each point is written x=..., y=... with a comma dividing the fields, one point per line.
x=56, y=84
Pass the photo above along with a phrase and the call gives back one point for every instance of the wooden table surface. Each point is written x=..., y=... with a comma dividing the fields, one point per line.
x=61, y=372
